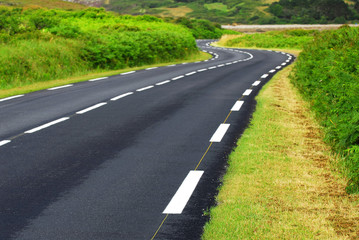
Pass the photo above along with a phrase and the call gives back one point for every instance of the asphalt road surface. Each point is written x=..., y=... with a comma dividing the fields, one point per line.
x=133, y=156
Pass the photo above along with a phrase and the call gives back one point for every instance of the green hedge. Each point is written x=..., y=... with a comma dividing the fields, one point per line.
x=327, y=73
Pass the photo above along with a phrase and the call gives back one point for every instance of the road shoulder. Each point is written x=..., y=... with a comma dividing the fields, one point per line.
x=279, y=183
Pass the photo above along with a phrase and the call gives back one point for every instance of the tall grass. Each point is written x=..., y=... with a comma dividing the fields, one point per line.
x=327, y=74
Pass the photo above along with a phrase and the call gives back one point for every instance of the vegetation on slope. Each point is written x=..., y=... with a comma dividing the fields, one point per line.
x=314, y=11
x=40, y=45
x=49, y=4
x=327, y=74
x=245, y=11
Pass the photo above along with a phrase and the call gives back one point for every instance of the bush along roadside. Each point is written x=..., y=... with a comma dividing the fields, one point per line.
x=38, y=45
x=327, y=74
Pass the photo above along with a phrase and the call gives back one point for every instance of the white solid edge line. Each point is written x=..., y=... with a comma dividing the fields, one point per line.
x=220, y=132
x=247, y=92
x=47, y=125
x=145, y=88
x=2, y=143
x=91, y=108
x=55, y=88
x=121, y=96
x=98, y=79
x=179, y=77
x=264, y=76
x=162, y=83
x=237, y=106
x=184, y=193
x=126, y=73
x=256, y=83
x=9, y=98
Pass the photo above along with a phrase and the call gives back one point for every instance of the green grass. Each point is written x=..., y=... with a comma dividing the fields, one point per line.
x=216, y=6
x=289, y=39
x=278, y=184
x=26, y=88
x=42, y=45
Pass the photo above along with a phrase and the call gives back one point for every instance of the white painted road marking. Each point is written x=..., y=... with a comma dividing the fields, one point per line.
x=202, y=70
x=121, y=96
x=220, y=65
x=164, y=82
x=179, y=77
x=212, y=67
x=98, y=79
x=126, y=73
x=9, y=98
x=189, y=74
x=151, y=68
x=256, y=83
x=264, y=76
x=237, y=106
x=272, y=71
x=2, y=143
x=91, y=108
x=247, y=92
x=279, y=67
x=283, y=64
x=47, y=125
x=219, y=134
x=55, y=88
x=145, y=88
x=184, y=193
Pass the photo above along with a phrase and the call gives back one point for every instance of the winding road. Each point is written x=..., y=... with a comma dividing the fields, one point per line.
x=133, y=156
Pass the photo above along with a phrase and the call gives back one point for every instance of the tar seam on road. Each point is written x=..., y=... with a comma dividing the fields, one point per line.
x=159, y=227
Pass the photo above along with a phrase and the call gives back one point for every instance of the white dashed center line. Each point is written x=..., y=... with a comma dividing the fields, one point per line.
x=189, y=74
x=179, y=77
x=91, y=108
x=121, y=96
x=47, y=125
x=145, y=88
x=162, y=83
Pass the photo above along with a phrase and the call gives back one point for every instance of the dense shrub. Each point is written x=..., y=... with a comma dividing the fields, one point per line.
x=327, y=73
x=39, y=45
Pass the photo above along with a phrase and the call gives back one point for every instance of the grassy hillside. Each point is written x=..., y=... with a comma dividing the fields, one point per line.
x=244, y=11
x=40, y=45
x=50, y=4
x=223, y=11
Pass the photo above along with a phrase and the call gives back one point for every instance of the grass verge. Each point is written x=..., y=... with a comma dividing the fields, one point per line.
x=279, y=184
x=201, y=56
